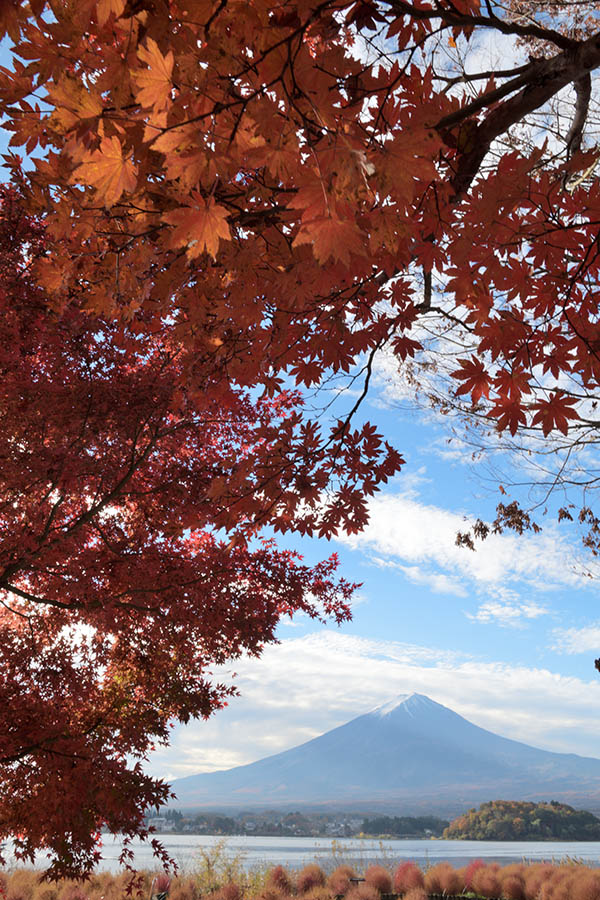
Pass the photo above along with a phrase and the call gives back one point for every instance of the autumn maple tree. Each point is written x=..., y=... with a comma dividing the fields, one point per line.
x=125, y=574
x=227, y=204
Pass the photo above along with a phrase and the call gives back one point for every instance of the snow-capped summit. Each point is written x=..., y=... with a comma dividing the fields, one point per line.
x=407, y=703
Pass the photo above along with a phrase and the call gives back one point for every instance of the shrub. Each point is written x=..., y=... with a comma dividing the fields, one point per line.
x=45, y=891
x=22, y=884
x=69, y=890
x=585, y=885
x=279, y=880
x=559, y=887
x=183, y=889
x=363, y=891
x=216, y=865
x=513, y=881
x=229, y=891
x=407, y=877
x=160, y=884
x=450, y=879
x=535, y=876
x=339, y=881
x=416, y=893
x=513, y=888
x=269, y=893
x=318, y=893
x=443, y=879
x=309, y=877
x=96, y=886
x=469, y=871
x=486, y=881
x=380, y=878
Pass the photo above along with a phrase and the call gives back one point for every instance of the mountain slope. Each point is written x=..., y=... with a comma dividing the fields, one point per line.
x=412, y=747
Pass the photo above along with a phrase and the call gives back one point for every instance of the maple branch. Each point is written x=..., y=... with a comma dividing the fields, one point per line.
x=447, y=315
x=107, y=499
x=218, y=10
x=83, y=519
x=16, y=612
x=454, y=17
x=486, y=99
x=46, y=601
x=42, y=748
x=546, y=78
x=467, y=77
x=583, y=91
x=368, y=368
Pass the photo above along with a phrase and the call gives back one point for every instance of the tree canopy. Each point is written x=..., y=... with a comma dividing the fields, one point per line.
x=503, y=820
x=231, y=203
x=118, y=591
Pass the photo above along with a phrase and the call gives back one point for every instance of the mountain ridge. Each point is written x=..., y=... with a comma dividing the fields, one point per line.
x=407, y=751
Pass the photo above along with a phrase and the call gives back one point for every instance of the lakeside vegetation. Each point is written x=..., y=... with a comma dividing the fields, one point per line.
x=221, y=879
x=269, y=823
x=504, y=820
x=496, y=820
x=404, y=826
x=264, y=823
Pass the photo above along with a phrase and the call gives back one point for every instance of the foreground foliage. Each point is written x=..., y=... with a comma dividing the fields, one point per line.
x=118, y=594
x=282, y=186
x=233, y=203
x=502, y=820
x=517, y=881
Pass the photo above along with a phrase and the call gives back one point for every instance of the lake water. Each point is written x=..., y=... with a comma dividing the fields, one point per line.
x=296, y=852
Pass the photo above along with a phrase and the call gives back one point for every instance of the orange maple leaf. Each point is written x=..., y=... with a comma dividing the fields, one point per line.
x=331, y=238
x=72, y=102
x=9, y=20
x=105, y=7
x=154, y=83
x=199, y=227
x=107, y=171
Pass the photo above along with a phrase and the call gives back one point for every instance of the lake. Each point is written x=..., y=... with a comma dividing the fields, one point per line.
x=296, y=852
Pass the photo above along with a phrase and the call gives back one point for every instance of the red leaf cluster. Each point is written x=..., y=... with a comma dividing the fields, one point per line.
x=127, y=569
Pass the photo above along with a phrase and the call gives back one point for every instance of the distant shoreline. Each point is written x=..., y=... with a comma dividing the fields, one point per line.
x=260, y=851
x=373, y=837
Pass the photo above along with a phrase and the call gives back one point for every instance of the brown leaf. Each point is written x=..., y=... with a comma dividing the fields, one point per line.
x=105, y=7
x=154, y=83
x=107, y=171
x=199, y=227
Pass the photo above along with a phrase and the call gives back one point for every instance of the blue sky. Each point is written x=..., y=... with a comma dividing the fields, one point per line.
x=490, y=634
x=506, y=636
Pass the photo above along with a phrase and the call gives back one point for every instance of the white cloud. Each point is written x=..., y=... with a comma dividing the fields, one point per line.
x=306, y=686
x=506, y=613
x=435, y=581
x=422, y=538
x=577, y=640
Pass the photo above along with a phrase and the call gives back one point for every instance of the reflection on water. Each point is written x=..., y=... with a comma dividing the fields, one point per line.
x=297, y=852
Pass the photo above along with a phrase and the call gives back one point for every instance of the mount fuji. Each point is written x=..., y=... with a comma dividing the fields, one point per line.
x=411, y=754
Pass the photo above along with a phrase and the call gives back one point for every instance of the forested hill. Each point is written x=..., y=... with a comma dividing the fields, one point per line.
x=505, y=820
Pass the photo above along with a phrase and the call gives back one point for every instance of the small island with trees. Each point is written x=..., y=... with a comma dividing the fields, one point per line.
x=510, y=820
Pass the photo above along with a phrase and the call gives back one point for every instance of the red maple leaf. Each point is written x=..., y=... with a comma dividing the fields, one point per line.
x=555, y=412
x=475, y=378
